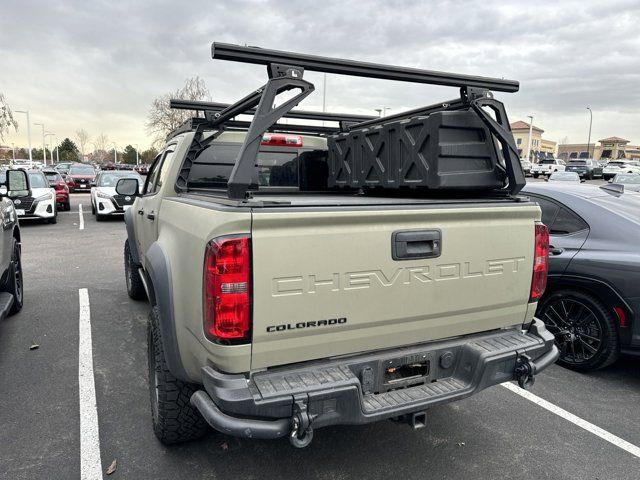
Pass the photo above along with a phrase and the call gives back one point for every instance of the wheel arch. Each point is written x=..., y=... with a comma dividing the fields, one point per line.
x=131, y=235
x=157, y=274
x=600, y=289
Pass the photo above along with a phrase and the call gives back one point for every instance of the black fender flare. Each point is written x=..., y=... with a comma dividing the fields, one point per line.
x=131, y=235
x=158, y=275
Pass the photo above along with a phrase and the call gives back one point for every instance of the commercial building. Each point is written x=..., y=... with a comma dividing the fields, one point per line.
x=610, y=148
x=540, y=147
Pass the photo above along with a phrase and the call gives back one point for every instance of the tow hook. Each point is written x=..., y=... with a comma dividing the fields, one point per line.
x=301, y=431
x=525, y=370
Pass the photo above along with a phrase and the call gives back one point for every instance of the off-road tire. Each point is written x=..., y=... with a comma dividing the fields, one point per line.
x=175, y=420
x=135, y=287
x=14, y=283
x=609, y=349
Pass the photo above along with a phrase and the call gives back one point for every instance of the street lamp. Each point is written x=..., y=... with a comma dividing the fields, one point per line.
x=530, y=117
x=589, y=140
x=115, y=159
x=44, y=147
x=137, y=157
x=49, y=134
x=28, y=132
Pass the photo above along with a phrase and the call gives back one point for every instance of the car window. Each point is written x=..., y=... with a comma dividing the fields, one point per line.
x=567, y=222
x=152, y=176
x=38, y=180
x=166, y=161
x=549, y=209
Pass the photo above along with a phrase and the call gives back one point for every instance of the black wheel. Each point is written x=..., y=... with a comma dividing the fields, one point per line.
x=584, y=328
x=99, y=218
x=135, y=288
x=93, y=208
x=175, y=420
x=54, y=219
x=14, y=283
x=536, y=175
x=67, y=206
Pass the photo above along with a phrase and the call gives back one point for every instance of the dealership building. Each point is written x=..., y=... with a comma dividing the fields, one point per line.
x=611, y=148
x=540, y=147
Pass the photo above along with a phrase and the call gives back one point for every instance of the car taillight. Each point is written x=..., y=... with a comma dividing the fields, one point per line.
x=540, y=262
x=227, y=289
x=280, y=140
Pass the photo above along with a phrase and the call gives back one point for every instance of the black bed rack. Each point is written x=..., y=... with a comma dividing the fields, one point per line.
x=285, y=73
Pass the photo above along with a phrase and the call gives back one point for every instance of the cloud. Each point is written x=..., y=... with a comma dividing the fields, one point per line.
x=98, y=65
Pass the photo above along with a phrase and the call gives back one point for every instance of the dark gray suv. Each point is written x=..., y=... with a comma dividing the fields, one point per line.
x=593, y=291
x=587, y=168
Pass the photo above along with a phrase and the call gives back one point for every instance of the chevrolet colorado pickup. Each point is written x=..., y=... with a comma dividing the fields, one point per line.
x=305, y=275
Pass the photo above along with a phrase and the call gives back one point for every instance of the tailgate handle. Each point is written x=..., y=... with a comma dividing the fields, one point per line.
x=416, y=244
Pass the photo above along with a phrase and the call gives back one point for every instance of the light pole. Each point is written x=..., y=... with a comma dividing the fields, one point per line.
x=382, y=112
x=137, y=157
x=44, y=147
x=529, y=141
x=589, y=140
x=115, y=159
x=28, y=132
x=49, y=134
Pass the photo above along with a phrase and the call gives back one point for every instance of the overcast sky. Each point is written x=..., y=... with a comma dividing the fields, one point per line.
x=98, y=65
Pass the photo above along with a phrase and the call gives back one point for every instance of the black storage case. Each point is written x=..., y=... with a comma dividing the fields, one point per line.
x=444, y=150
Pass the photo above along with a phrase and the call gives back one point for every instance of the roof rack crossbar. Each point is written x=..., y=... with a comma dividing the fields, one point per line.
x=216, y=107
x=263, y=56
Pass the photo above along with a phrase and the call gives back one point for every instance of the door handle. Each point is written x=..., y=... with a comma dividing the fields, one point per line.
x=141, y=212
x=555, y=251
x=151, y=216
x=416, y=244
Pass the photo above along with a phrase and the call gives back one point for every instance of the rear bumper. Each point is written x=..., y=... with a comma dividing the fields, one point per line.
x=356, y=389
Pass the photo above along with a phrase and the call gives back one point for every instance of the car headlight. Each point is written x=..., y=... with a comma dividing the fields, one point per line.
x=46, y=196
x=103, y=195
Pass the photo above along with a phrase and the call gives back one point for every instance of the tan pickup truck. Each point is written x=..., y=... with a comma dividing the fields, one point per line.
x=291, y=290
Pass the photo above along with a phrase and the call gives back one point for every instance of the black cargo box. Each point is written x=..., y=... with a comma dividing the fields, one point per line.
x=444, y=150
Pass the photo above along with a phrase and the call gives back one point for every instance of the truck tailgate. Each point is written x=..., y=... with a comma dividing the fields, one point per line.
x=325, y=283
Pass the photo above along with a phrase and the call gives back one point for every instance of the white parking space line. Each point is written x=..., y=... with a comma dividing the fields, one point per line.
x=81, y=217
x=589, y=427
x=90, y=462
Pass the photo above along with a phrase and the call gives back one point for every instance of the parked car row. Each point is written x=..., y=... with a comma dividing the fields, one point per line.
x=586, y=168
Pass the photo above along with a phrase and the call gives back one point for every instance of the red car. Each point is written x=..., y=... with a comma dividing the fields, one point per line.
x=62, y=190
x=80, y=178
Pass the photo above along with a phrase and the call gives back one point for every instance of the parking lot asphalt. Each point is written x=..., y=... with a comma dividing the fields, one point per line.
x=493, y=434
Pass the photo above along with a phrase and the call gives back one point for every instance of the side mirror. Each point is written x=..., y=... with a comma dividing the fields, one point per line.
x=16, y=184
x=128, y=187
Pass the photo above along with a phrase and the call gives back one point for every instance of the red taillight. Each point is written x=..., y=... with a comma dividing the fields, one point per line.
x=227, y=289
x=61, y=186
x=280, y=140
x=540, y=262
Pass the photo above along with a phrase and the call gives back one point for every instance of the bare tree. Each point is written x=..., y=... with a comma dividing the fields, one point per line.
x=564, y=140
x=6, y=118
x=83, y=139
x=101, y=145
x=162, y=119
